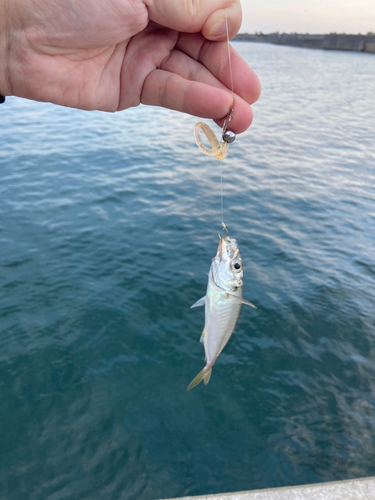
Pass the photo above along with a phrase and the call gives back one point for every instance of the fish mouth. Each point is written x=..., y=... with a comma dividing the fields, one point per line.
x=228, y=248
x=226, y=231
x=220, y=251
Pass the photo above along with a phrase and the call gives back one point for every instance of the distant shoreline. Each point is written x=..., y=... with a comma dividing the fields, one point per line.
x=333, y=41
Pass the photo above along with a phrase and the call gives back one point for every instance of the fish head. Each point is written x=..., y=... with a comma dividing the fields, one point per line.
x=227, y=269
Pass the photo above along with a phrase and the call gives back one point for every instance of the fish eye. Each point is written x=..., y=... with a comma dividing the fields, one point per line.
x=237, y=266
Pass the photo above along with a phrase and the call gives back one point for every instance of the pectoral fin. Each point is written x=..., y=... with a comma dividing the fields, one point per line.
x=200, y=302
x=203, y=336
x=243, y=301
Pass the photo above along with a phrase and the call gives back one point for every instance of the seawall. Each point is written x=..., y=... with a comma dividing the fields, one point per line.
x=355, y=489
x=333, y=41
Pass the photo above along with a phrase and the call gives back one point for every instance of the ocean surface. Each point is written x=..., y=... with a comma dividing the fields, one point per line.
x=108, y=224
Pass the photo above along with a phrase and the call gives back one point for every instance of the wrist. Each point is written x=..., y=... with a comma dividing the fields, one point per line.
x=4, y=81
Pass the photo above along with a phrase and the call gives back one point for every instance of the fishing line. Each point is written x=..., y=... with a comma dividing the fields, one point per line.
x=229, y=116
x=218, y=149
x=229, y=57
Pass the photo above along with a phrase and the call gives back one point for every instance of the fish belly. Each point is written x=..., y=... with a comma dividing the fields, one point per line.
x=221, y=317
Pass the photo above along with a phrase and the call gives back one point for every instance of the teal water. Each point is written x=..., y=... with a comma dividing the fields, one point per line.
x=108, y=224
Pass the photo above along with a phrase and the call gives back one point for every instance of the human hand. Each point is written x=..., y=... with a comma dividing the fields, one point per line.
x=96, y=54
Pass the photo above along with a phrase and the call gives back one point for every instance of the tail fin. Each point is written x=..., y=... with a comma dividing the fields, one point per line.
x=204, y=375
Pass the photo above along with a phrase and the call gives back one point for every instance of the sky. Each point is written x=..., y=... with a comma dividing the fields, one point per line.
x=308, y=16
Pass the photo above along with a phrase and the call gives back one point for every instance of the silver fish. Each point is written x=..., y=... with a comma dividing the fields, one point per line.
x=222, y=303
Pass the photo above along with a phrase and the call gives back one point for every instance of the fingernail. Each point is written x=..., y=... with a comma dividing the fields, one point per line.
x=218, y=30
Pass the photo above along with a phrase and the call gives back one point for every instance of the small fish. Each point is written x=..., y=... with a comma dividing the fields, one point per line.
x=222, y=303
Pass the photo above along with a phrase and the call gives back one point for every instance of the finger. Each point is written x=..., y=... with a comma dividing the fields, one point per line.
x=180, y=63
x=193, y=16
x=223, y=24
x=214, y=56
x=190, y=69
x=144, y=53
x=169, y=90
x=242, y=116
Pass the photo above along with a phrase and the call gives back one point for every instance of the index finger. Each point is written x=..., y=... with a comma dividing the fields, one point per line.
x=214, y=56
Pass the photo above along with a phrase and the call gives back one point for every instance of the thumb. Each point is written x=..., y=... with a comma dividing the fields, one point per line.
x=193, y=16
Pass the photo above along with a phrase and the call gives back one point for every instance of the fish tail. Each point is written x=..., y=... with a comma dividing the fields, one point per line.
x=204, y=375
x=207, y=377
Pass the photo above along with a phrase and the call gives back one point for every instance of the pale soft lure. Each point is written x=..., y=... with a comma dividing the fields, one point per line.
x=222, y=303
x=218, y=149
